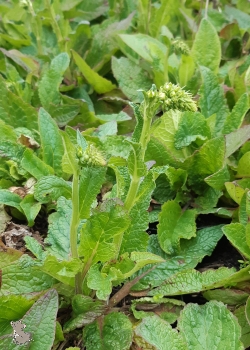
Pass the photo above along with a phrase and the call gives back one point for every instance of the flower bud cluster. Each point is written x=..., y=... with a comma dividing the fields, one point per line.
x=91, y=156
x=174, y=97
x=180, y=47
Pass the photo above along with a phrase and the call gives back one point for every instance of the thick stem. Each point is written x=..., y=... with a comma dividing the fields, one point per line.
x=74, y=226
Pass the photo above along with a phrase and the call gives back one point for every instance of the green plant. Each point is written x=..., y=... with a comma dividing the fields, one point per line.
x=103, y=170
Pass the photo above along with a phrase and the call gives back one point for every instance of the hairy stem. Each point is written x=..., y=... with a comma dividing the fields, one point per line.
x=74, y=226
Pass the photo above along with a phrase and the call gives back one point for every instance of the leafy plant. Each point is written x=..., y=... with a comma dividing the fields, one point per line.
x=139, y=127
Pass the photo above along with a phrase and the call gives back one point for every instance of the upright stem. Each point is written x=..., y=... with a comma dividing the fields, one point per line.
x=74, y=226
x=144, y=139
x=55, y=25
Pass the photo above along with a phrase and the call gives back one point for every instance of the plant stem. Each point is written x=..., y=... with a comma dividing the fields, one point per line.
x=55, y=25
x=144, y=139
x=74, y=226
x=124, y=291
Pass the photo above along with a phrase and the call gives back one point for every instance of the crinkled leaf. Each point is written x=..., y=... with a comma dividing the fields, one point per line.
x=227, y=296
x=212, y=100
x=63, y=114
x=104, y=43
x=192, y=281
x=51, y=188
x=100, y=282
x=155, y=332
x=206, y=47
x=210, y=327
x=91, y=180
x=207, y=161
x=191, y=127
x=100, y=84
x=48, y=86
x=34, y=165
x=136, y=165
x=174, y=225
x=236, y=117
x=116, y=333
x=35, y=247
x=64, y=271
x=51, y=142
x=130, y=78
x=18, y=279
x=191, y=253
x=14, y=111
x=98, y=233
x=59, y=228
x=164, y=130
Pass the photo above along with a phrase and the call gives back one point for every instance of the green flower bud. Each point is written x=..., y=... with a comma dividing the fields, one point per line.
x=179, y=47
x=92, y=157
x=176, y=98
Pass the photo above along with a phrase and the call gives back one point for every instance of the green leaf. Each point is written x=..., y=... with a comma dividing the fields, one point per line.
x=164, y=130
x=236, y=139
x=69, y=159
x=151, y=50
x=100, y=84
x=11, y=199
x=51, y=142
x=13, y=307
x=34, y=165
x=174, y=225
x=192, y=281
x=64, y=271
x=228, y=296
x=100, y=282
x=40, y=322
x=236, y=234
x=116, y=333
x=235, y=191
x=91, y=180
x=7, y=132
x=212, y=100
x=35, y=247
x=30, y=208
x=63, y=114
x=245, y=328
x=192, y=126
x=104, y=44
x=21, y=112
x=97, y=237
x=243, y=169
x=218, y=179
x=48, y=86
x=191, y=253
x=130, y=78
x=59, y=228
x=136, y=165
x=186, y=69
x=51, y=188
x=207, y=161
x=206, y=49
x=8, y=255
x=210, y=327
x=155, y=333
x=19, y=279
x=236, y=117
